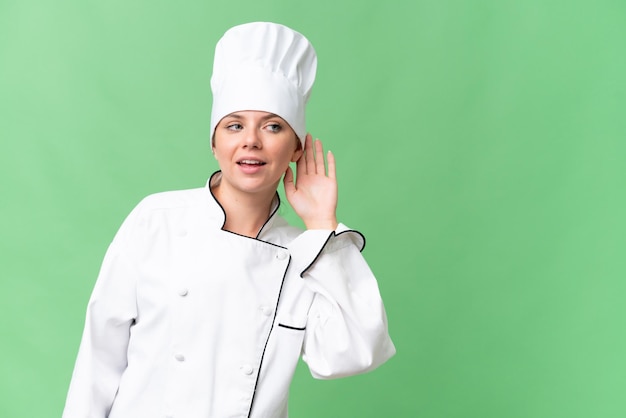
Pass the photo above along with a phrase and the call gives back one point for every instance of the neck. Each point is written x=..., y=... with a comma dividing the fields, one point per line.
x=245, y=213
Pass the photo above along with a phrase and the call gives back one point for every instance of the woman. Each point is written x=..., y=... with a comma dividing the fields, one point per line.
x=207, y=297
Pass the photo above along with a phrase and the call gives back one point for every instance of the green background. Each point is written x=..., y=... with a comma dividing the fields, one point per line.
x=480, y=146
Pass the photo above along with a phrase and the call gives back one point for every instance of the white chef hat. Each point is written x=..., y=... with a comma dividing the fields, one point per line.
x=266, y=67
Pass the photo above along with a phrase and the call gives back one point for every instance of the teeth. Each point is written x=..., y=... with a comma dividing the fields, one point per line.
x=253, y=162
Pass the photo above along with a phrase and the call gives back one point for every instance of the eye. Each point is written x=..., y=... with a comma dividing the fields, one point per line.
x=234, y=126
x=274, y=127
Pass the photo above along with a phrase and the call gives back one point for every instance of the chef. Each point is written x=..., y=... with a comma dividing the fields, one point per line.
x=207, y=298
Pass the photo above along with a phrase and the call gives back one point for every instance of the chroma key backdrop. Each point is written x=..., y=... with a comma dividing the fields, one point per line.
x=481, y=149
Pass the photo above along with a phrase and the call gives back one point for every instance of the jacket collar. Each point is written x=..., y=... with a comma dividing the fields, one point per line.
x=219, y=215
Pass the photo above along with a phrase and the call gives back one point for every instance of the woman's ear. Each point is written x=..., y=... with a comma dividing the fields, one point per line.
x=213, y=145
x=296, y=154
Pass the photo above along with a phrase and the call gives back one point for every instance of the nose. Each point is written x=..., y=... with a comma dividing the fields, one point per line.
x=252, y=139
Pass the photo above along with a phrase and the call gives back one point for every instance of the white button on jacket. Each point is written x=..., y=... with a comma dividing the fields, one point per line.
x=251, y=307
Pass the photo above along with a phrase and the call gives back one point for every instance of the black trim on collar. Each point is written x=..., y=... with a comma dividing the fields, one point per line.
x=277, y=196
x=270, y=217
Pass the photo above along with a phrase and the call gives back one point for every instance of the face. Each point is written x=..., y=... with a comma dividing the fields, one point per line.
x=253, y=150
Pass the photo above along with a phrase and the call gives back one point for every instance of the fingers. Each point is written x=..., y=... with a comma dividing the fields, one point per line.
x=310, y=156
x=312, y=162
x=319, y=153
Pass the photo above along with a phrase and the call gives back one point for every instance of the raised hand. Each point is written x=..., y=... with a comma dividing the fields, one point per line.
x=313, y=195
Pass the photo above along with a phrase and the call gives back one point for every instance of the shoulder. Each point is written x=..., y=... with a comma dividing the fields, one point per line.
x=167, y=211
x=173, y=205
x=174, y=199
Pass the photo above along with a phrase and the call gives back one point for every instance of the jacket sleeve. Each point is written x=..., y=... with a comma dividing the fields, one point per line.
x=111, y=311
x=346, y=331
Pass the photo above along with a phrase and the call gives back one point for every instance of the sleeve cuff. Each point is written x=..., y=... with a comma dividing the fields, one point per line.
x=308, y=246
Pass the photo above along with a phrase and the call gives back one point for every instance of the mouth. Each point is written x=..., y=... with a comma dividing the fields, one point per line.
x=255, y=163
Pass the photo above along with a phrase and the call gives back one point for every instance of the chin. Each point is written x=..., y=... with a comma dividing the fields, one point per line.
x=254, y=187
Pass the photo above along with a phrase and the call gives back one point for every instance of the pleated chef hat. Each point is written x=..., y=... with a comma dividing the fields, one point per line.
x=266, y=67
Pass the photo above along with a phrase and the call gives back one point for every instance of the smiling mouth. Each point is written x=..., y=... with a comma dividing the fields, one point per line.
x=251, y=162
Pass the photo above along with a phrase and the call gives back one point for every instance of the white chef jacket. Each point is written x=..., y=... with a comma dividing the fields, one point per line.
x=189, y=320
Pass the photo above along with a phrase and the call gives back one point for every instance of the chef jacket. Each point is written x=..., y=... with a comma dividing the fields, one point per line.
x=189, y=320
